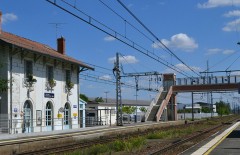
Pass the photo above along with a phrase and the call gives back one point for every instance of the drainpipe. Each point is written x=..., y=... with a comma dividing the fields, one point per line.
x=10, y=59
x=78, y=87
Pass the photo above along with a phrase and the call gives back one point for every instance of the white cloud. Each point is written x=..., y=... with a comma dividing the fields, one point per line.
x=109, y=38
x=8, y=17
x=234, y=13
x=219, y=3
x=214, y=51
x=129, y=59
x=183, y=67
x=105, y=77
x=179, y=41
x=226, y=52
x=232, y=26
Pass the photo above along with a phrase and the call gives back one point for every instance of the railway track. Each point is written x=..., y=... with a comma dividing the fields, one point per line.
x=71, y=146
x=179, y=145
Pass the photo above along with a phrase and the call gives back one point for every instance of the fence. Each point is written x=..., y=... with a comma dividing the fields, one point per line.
x=183, y=116
x=40, y=125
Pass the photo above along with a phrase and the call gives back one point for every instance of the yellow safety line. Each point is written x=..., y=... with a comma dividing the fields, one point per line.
x=216, y=144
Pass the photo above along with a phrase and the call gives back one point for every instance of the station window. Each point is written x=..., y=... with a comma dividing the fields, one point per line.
x=68, y=76
x=66, y=114
x=28, y=68
x=50, y=74
x=81, y=106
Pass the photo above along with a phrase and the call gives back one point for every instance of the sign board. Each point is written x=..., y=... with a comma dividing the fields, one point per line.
x=48, y=95
x=59, y=115
x=74, y=106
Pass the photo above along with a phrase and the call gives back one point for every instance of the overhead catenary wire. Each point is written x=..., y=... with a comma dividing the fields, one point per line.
x=126, y=21
x=116, y=35
x=95, y=78
x=221, y=61
x=232, y=63
x=141, y=23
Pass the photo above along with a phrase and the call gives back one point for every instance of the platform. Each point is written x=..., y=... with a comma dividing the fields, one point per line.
x=221, y=143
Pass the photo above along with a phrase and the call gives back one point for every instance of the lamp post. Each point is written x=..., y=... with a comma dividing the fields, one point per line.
x=192, y=81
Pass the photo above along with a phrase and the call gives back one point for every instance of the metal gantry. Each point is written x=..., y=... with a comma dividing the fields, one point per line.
x=118, y=76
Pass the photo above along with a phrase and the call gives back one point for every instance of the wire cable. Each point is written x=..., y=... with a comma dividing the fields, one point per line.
x=155, y=37
x=115, y=34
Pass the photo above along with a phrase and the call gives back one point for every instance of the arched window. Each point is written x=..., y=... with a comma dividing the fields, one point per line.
x=27, y=117
x=67, y=114
x=49, y=114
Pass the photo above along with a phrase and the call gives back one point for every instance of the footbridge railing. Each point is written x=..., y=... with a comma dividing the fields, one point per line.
x=154, y=102
x=164, y=104
x=231, y=79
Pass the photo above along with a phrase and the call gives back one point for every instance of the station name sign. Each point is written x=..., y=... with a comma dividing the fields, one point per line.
x=48, y=95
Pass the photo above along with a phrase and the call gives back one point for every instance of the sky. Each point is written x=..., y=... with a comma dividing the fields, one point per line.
x=196, y=32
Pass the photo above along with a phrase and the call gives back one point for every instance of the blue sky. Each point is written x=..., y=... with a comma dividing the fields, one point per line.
x=195, y=31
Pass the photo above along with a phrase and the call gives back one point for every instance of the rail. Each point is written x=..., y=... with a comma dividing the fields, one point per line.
x=153, y=102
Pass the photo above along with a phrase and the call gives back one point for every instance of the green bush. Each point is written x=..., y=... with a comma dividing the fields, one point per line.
x=117, y=146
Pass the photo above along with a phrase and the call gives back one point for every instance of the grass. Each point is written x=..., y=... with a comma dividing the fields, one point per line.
x=136, y=144
x=129, y=145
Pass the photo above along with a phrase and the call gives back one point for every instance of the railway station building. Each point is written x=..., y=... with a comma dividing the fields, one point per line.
x=43, y=86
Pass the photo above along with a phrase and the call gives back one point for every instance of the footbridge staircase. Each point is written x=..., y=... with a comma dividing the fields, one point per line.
x=163, y=106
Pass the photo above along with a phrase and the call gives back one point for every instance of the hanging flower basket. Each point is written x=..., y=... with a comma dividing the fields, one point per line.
x=69, y=85
x=52, y=83
x=30, y=79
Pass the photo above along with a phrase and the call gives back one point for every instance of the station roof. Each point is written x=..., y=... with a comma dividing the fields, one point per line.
x=38, y=48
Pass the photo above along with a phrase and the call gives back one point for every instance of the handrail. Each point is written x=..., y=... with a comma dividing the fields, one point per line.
x=164, y=104
x=153, y=102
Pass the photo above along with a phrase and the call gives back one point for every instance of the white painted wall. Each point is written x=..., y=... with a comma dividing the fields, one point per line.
x=19, y=91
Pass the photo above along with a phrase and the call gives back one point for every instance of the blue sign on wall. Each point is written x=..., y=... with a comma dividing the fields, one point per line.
x=74, y=106
x=48, y=95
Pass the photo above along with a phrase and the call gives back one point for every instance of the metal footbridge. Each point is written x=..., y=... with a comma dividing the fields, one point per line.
x=163, y=107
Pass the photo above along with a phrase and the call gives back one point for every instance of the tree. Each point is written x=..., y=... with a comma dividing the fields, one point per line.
x=129, y=110
x=143, y=109
x=84, y=97
x=206, y=110
x=98, y=99
x=223, y=108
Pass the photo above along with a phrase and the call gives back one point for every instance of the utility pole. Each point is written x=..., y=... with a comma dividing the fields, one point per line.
x=118, y=92
x=192, y=108
x=192, y=102
x=106, y=92
x=211, y=105
x=136, y=80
